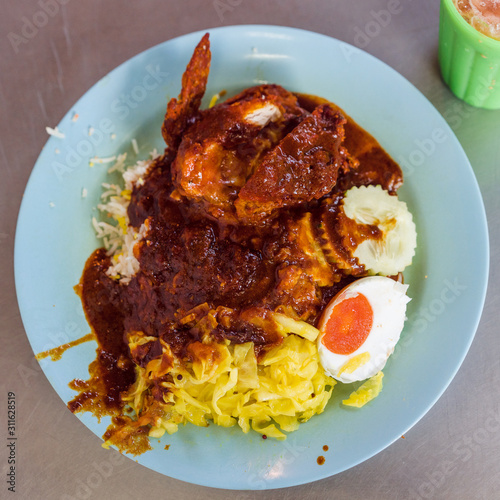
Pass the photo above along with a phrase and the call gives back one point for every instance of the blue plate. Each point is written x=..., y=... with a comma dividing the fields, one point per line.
x=54, y=238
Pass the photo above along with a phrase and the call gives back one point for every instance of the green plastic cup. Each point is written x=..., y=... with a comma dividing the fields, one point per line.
x=469, y=60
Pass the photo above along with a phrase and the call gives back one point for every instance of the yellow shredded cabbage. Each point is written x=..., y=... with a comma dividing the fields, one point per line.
x=366, y=392
x=225, y=384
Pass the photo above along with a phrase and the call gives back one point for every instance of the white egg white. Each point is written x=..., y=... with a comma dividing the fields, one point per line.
x=388, y=300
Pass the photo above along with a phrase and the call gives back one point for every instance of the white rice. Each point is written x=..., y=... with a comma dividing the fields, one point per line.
x=119, y=165
x=135, y=146
x=96, y=159
x=118, y=237
x=55, y=132
x=124, y=263
x=135, y=175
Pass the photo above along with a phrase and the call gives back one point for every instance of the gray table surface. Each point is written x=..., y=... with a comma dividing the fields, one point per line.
x=452, y=453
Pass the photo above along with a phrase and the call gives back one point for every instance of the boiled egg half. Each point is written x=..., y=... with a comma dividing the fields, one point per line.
x=360, y=328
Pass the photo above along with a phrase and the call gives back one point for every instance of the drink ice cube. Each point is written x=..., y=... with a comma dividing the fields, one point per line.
x=483, y=15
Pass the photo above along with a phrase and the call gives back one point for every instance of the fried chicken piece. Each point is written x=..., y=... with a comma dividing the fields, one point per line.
x=375, y=165
x=303, y=167
x=223, y=147
x=183, y=110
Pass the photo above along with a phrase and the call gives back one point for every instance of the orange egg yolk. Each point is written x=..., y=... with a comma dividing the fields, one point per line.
x=349, y=325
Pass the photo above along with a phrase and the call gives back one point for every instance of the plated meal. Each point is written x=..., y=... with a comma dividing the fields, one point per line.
x=64, y=190
x=246, y=270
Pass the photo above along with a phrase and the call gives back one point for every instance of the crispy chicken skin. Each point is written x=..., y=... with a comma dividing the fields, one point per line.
x=244, y=159
x=304, y=166
x=183, y=110
x=225, y=145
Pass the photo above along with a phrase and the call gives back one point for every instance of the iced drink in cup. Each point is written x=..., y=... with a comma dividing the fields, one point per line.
x=483, y=15
x=469, y=50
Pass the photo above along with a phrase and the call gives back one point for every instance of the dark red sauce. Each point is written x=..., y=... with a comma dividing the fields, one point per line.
x=192, y=260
